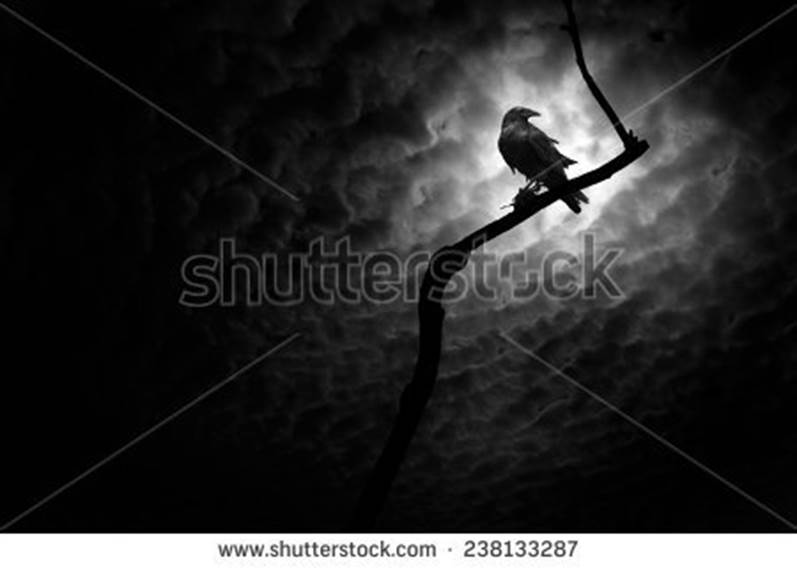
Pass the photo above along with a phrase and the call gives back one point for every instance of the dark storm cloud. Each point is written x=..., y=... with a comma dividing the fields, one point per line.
x=339, y=101
x=342, y=93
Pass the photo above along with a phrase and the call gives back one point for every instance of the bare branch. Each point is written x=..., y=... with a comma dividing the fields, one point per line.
x=445, y=263
x=634, y=149
x=572, y=28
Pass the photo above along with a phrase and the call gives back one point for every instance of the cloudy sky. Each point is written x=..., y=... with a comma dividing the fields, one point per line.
x=382, y=118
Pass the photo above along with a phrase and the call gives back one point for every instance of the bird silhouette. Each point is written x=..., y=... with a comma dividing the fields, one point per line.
x=527, y=149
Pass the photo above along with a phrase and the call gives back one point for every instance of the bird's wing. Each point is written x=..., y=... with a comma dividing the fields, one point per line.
x=565, y=160
x=526, y=148
x=543, y=148
x=510, y=145
x=546, y=150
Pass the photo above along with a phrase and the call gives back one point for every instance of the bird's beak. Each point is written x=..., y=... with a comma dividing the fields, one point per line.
x=530, y=113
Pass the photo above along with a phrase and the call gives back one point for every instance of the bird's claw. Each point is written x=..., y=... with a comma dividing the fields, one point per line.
x=525, y=195
x=533, y=186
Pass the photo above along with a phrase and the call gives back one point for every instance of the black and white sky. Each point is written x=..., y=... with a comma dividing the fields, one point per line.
x=382, y=117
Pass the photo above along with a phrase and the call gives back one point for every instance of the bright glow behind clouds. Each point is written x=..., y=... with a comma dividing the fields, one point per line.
x=570, y=115
x=456, y=193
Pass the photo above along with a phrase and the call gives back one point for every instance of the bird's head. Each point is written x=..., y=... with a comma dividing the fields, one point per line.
x=519, y=114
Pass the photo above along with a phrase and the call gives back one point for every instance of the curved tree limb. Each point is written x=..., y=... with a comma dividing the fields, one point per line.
x=444, y=264
x=572, y=28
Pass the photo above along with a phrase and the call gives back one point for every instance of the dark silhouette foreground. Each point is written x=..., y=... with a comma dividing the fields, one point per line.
x=448, y=261
x=525, y=147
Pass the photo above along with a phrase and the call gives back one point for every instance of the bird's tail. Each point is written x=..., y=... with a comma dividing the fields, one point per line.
x=575, y=200
x=566, y=161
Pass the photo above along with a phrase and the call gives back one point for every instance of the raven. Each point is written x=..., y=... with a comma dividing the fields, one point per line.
x=528, y=149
